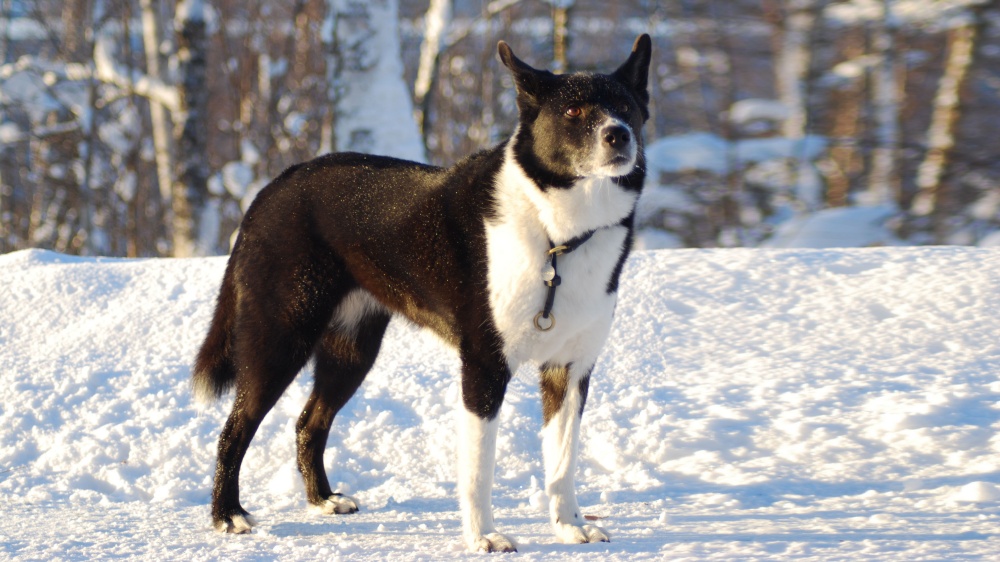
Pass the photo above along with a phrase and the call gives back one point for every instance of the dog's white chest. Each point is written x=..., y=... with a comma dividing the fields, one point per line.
x=517, y=247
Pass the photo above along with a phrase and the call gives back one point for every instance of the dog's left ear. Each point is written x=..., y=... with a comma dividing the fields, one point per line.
x=635, y=71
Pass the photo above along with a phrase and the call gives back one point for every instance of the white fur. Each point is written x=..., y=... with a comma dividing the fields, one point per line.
x=476, y=463
x=599, y=165
x=240, y=524
x=517, y=246
x=353, y=308
x=335, y=504
x=204, y=392
x=517, y=249
x=560, y=446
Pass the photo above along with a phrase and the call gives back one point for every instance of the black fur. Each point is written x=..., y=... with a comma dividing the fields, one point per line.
x=410, y=235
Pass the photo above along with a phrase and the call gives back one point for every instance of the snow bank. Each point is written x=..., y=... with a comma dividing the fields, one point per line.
x=707, y=151
x=750, y=404
x=840, y=227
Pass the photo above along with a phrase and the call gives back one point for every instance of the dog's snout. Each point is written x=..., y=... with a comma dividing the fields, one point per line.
x=616, y=136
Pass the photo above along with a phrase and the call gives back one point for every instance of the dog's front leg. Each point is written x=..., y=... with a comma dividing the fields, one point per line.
x=483, y=388
x=564, y=394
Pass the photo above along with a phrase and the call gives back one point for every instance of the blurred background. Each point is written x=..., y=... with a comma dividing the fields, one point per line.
x=146, y=127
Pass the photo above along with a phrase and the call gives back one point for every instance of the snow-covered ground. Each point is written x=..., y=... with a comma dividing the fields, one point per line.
x=750, y=404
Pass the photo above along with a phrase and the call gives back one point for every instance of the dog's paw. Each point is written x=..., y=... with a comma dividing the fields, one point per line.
x=492, y=542
x=237, y=524
x=576, y=534
x=336, y=504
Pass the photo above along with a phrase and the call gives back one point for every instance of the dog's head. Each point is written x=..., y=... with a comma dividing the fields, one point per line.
x=582, y=125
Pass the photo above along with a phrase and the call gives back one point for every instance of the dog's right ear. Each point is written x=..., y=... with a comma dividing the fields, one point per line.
x=526, y=78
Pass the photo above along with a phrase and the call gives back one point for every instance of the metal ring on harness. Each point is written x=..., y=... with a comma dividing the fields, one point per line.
x=552, y=322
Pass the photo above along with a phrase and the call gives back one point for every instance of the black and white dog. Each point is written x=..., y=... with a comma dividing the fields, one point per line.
x=512, y=255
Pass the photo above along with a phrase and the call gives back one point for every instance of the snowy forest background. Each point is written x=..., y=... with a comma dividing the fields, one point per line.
x=146, y=127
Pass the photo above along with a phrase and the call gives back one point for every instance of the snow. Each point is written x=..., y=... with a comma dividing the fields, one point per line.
x=236, y=177
x=10, y=133
x=705, y=151
x=107, y=69
x=193, y=10
x=840, y=227
x=656, y=239
x=745, y=111
x=750, y=404
x=937, y=14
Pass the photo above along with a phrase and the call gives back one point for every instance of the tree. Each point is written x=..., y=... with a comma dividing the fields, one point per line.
x=560, y=34
x=372, y=105
x=157, y=110
x=195, y=224
x=847, y=102
x=435, y=24
x=883, y=180
x=792, y=64
x=931, y=194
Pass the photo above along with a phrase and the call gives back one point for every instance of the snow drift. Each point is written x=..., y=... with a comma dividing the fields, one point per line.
x=807, y=404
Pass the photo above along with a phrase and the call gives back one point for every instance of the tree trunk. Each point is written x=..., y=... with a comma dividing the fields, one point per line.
x=435, y=24
x=792, y=67
x=7, y=217
x=193, y=233
x=847, y=103
x=74, y=12
x=374, y=112
x=941, y=133
x=883, y=179
x=560, y=35
x=334, y=59
x=688, y=58
x=157, y=113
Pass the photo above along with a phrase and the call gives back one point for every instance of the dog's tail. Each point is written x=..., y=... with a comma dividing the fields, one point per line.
x=214, y=372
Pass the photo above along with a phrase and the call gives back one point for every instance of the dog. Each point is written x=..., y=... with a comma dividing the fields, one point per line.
x=512, y=256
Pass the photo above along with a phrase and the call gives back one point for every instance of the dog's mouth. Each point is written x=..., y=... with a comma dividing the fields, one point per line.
x=619, y=160
x=608, y=164
x=619, y=165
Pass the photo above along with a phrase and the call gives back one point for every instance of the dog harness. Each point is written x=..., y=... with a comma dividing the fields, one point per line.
x=550, y=276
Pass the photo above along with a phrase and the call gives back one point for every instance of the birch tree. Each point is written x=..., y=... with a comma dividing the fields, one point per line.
x=560, y=33
x=847, y=100
x=365, y=76
x=792, y=69
x=436, y=21
x=944, y=120
x=792, y=65
x=883, y=179
x=157, y=112
x=193, y=232
x=7, y=133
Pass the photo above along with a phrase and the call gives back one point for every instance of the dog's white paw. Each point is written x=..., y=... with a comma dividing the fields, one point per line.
x=235, y=524
x=336, y=504
x=492, y=542
x=576, y=534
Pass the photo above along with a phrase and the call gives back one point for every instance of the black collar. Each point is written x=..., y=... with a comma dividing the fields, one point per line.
x=550, y=276
x=570, y=245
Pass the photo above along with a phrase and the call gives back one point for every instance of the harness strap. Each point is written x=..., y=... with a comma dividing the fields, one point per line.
x=551, y=279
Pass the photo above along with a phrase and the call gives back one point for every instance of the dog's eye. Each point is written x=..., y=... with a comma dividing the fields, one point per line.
x=625, y=108
x=573, y=112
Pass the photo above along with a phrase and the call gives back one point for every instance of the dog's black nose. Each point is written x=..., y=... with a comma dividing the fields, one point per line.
x=617, y=136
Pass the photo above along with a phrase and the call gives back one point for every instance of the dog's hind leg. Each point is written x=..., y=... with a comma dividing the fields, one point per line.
x=344, y=355
x=256, y=394
x=277, y=326
x=564, y=394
